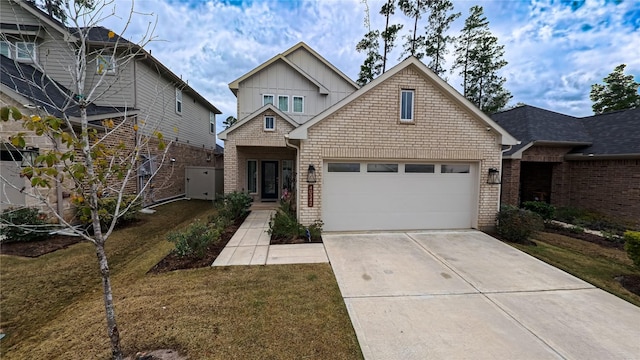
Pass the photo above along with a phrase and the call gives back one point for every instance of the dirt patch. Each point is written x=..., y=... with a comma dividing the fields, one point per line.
x=38, y=248
x=173, y=262
x=162, y=354
x=586, y=237
x=630, y=282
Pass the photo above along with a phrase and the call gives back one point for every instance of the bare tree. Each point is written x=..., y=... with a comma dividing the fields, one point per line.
x=88, y=157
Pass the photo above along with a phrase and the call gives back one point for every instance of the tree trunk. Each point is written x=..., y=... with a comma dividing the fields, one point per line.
x=386, y=28
x=112, y=327
x=415, y=29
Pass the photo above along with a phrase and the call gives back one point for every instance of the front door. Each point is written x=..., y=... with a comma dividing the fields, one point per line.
x=269, y=186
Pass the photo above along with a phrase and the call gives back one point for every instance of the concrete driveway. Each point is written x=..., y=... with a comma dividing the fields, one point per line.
x=466, y=295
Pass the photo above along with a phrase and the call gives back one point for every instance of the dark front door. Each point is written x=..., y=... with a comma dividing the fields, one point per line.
x=269, y=186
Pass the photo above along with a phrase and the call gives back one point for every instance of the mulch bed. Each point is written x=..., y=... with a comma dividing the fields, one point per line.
x=586, y=237
x=173, y=262
x=630, y=282
x=38, y=248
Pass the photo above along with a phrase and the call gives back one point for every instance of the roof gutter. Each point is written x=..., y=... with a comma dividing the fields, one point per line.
x=587, y=157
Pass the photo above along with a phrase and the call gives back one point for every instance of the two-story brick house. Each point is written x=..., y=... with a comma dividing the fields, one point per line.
x=37, y=52
x=406, y=151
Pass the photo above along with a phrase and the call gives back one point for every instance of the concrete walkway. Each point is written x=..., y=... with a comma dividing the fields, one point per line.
x=250, y=246
x=466, y=295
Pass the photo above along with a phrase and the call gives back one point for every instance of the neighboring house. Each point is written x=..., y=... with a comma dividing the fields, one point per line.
x=591, y=162
x=36, y=51
x=406, y=151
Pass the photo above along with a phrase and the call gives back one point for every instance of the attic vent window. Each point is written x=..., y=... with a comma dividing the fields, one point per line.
x=105, y=64
x=406, y=105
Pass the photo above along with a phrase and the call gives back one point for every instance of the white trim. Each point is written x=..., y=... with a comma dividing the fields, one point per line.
x=212, y=121
x=264, y=123
x=223, y=134
x=273, y=97
x=179, y=102
x=32, y=53
x=293, y=104
x=278, y=105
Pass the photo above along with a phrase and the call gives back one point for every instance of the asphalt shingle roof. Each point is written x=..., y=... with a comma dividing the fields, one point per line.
x=613, y=133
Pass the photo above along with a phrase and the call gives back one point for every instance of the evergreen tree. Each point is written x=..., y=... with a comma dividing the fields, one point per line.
x=440, y=19
x=229, y=121
x=390, y=32
x=619, y=92
x=414, y=10
x=370, y=45
x=56, y=8
x=479, y=58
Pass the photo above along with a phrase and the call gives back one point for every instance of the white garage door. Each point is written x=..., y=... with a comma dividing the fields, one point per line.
x=391, y=195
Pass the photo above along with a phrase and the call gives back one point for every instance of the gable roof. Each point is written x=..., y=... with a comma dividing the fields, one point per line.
x=614, y=133
x=29, y=83
x=530, y=124
x=223, y=134
x=506, y=138
x=234, y=85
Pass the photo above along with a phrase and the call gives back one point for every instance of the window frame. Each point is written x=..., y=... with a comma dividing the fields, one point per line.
x=6, y=45
x=344, y=167
x=417, y=168
x=110, y=68
x=264, y=123
x=293, y=108
x=252, y=180
x=32, y=54
x=273, y=99
x=212, y=122
x=179, y=101
x=410, y=119
x=283, y=96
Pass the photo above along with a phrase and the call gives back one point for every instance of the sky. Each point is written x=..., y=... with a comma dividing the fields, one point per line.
x=556, y=49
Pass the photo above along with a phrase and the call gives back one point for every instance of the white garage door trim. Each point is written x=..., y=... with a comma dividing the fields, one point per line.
x=387, y=195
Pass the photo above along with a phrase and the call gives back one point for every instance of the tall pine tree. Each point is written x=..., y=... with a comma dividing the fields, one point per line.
x=479, y=58
x=619, y=92
x=370, y=45
x=390, y=32
x=436, y=40
x=414, y=9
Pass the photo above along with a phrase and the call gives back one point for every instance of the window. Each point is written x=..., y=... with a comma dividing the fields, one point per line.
x=252, y=176
x=267, y=99
x=298, y=104
x=212, y=123
x=287, y=174
x=5, y=49
x=419, y=168
x=406, y=105
x=26, y=51
x=178, y=101
x=269, y=123
x=283, y=103
x=382, y=168
x=455, y=169
x=343, y=167
x=105, y=64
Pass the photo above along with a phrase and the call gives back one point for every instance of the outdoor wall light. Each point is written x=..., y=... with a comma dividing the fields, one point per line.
x=494, y=176
x=311, y=174
x=29, y=155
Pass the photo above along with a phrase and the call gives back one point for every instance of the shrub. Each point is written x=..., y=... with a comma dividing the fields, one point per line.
x=235, y=205
x=518, y=225
x=23, y=224
x=632, y=246
x=589, y=219
x=315, y=230
x=106, y=208
x=576, y=229
x=541, y=208
x=284, y=224
x=194, y=240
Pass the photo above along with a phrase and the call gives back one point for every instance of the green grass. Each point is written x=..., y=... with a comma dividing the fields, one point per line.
x=590, y=262
x=51, y=306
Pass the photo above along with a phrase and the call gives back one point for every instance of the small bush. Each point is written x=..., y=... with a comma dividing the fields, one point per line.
x=518, y=225
x=284, y=224
x=106, y=208
x=632, y=246
x=23, y=224
x=541, y=208
x=576, y=229
x=235, y=205
x=315, y=230
x=589, y=219
x=194, y=240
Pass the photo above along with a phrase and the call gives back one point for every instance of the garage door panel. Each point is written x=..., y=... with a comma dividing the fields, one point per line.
x=398, y=201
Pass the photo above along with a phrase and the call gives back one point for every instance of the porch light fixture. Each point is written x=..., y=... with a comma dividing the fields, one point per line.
x=494, y=176
x=311, y=174
x=29, y=155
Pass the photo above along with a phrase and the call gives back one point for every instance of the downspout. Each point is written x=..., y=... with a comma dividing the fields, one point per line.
x=59, y=194
x=286, y=141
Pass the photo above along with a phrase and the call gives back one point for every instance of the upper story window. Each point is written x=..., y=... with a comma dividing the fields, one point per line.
x=25, y=51
x=269, y=123
x=178, y=101
x=105, y=64
x=283, y=103
x=267, y=99
x=212, y=123
x=5, y=49
x=406, y=105
x=298, y=104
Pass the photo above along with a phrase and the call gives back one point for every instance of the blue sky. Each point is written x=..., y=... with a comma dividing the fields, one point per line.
x=555, y=48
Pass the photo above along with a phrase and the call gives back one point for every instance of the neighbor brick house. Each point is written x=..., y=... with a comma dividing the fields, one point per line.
x=591, y=163
x=406, y=151
x=36, y=51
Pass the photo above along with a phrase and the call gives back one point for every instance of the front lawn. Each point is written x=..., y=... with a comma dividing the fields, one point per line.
x=596, y=264
x=52, y=308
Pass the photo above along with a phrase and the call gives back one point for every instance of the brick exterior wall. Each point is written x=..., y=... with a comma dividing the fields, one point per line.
x=369, y=128
x=251, y=142
x=510, y=189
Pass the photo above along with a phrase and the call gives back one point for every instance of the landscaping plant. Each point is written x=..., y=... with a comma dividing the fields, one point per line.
x=25, y=224
x=632, y=246
x=518, y=225
x=106, y=209
x=195, y=239
x=541, y=208
x=235, y=205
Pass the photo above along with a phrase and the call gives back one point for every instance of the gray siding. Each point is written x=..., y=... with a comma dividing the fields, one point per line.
x=114, y=89
x=156, y=102
x=9, y=13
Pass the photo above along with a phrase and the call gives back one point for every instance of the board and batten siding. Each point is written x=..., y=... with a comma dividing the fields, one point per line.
x=156, y=102
x=337, y=85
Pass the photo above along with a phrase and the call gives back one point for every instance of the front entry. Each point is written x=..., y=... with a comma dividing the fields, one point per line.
x=269, y=185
